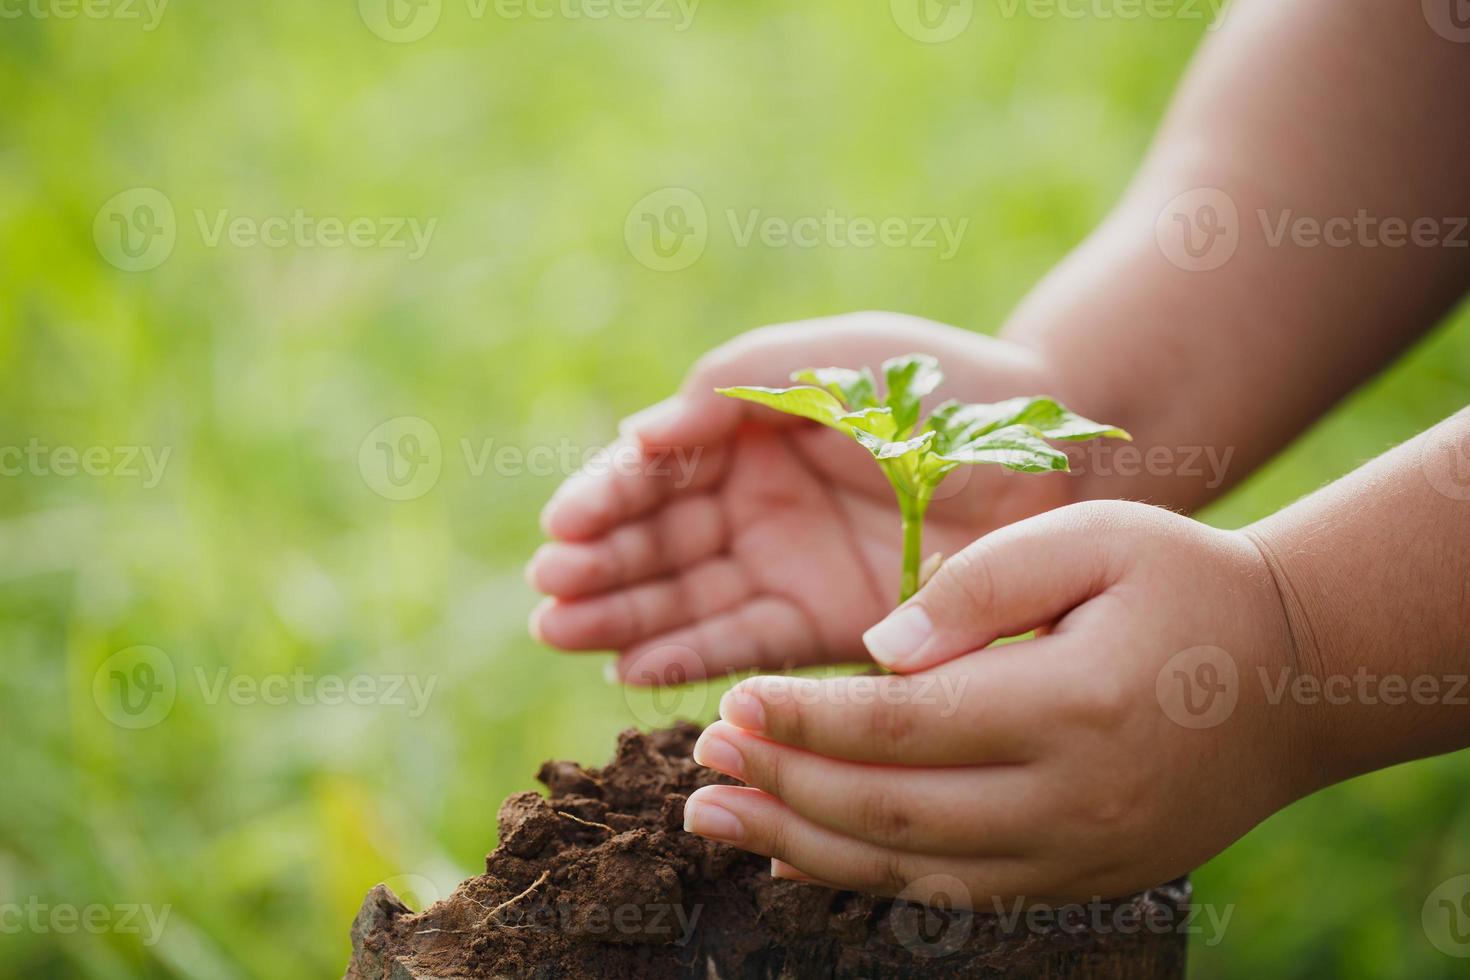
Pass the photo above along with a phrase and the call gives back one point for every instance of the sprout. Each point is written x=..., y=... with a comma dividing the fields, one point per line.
x=915, y=456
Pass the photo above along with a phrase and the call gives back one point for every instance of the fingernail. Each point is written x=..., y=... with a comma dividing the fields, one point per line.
x=652, y=417
x=896, y=640
x=534, y=624
x=780, y=869
x=743, y=710
x=719, y=754
x=712, y=821
x=610, y=673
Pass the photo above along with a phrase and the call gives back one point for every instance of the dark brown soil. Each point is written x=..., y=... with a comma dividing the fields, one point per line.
x=600, y=881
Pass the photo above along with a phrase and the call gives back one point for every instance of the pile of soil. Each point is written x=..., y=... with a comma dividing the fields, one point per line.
x=600, y=881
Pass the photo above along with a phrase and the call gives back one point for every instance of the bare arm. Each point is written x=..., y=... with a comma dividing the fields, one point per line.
x=1347, y=113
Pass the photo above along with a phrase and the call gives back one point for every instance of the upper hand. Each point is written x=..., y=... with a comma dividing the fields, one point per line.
x=779, y=545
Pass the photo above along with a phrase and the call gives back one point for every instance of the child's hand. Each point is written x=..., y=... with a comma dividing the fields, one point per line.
x=1107, y=755
x=779, y=547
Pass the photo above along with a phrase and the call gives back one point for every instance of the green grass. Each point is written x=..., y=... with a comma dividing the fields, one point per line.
x=263, y=550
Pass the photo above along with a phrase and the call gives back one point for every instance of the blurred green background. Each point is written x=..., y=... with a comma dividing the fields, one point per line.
x=268, y=547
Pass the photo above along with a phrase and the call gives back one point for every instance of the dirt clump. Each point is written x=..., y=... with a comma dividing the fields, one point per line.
x=598, y=879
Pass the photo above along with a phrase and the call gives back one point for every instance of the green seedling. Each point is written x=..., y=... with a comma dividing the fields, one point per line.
x=915, y=456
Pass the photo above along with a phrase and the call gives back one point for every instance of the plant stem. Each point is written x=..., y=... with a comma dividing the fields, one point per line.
x=911, y=507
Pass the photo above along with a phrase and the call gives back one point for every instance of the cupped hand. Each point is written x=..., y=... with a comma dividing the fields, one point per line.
x=1123, y=746
x=748, y=539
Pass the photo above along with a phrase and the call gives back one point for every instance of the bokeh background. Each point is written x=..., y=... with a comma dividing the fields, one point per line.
x=270, y=543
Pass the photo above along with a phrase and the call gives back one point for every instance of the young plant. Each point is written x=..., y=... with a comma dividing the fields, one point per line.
x=917, y=457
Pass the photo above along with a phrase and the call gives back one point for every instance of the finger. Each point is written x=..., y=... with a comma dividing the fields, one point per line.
x=764, y=632
x=619, y=620
x=768, y=356
x=977, y=811
x=755, y=821
x=1023, y=576
x=626, y=482
x=979, y=710
x=685, y=531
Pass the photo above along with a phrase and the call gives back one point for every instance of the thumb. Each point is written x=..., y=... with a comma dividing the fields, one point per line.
x=1019, y=578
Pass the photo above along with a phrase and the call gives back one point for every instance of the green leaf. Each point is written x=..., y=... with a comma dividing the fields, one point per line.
x=1016, y=447
x=1055, y=421
x=875, y=421
x=959, y=424
x=884, y=450
x=856, y=389
x=909, y=379
x=816, y=404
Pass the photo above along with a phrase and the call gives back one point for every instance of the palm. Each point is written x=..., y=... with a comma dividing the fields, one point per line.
x=782, y=554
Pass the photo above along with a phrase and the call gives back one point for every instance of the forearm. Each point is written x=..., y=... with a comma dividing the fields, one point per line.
x=1374, y=576
x=1317, y=109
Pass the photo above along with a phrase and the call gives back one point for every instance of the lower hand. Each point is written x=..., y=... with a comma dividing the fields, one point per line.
x=1097, y=759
